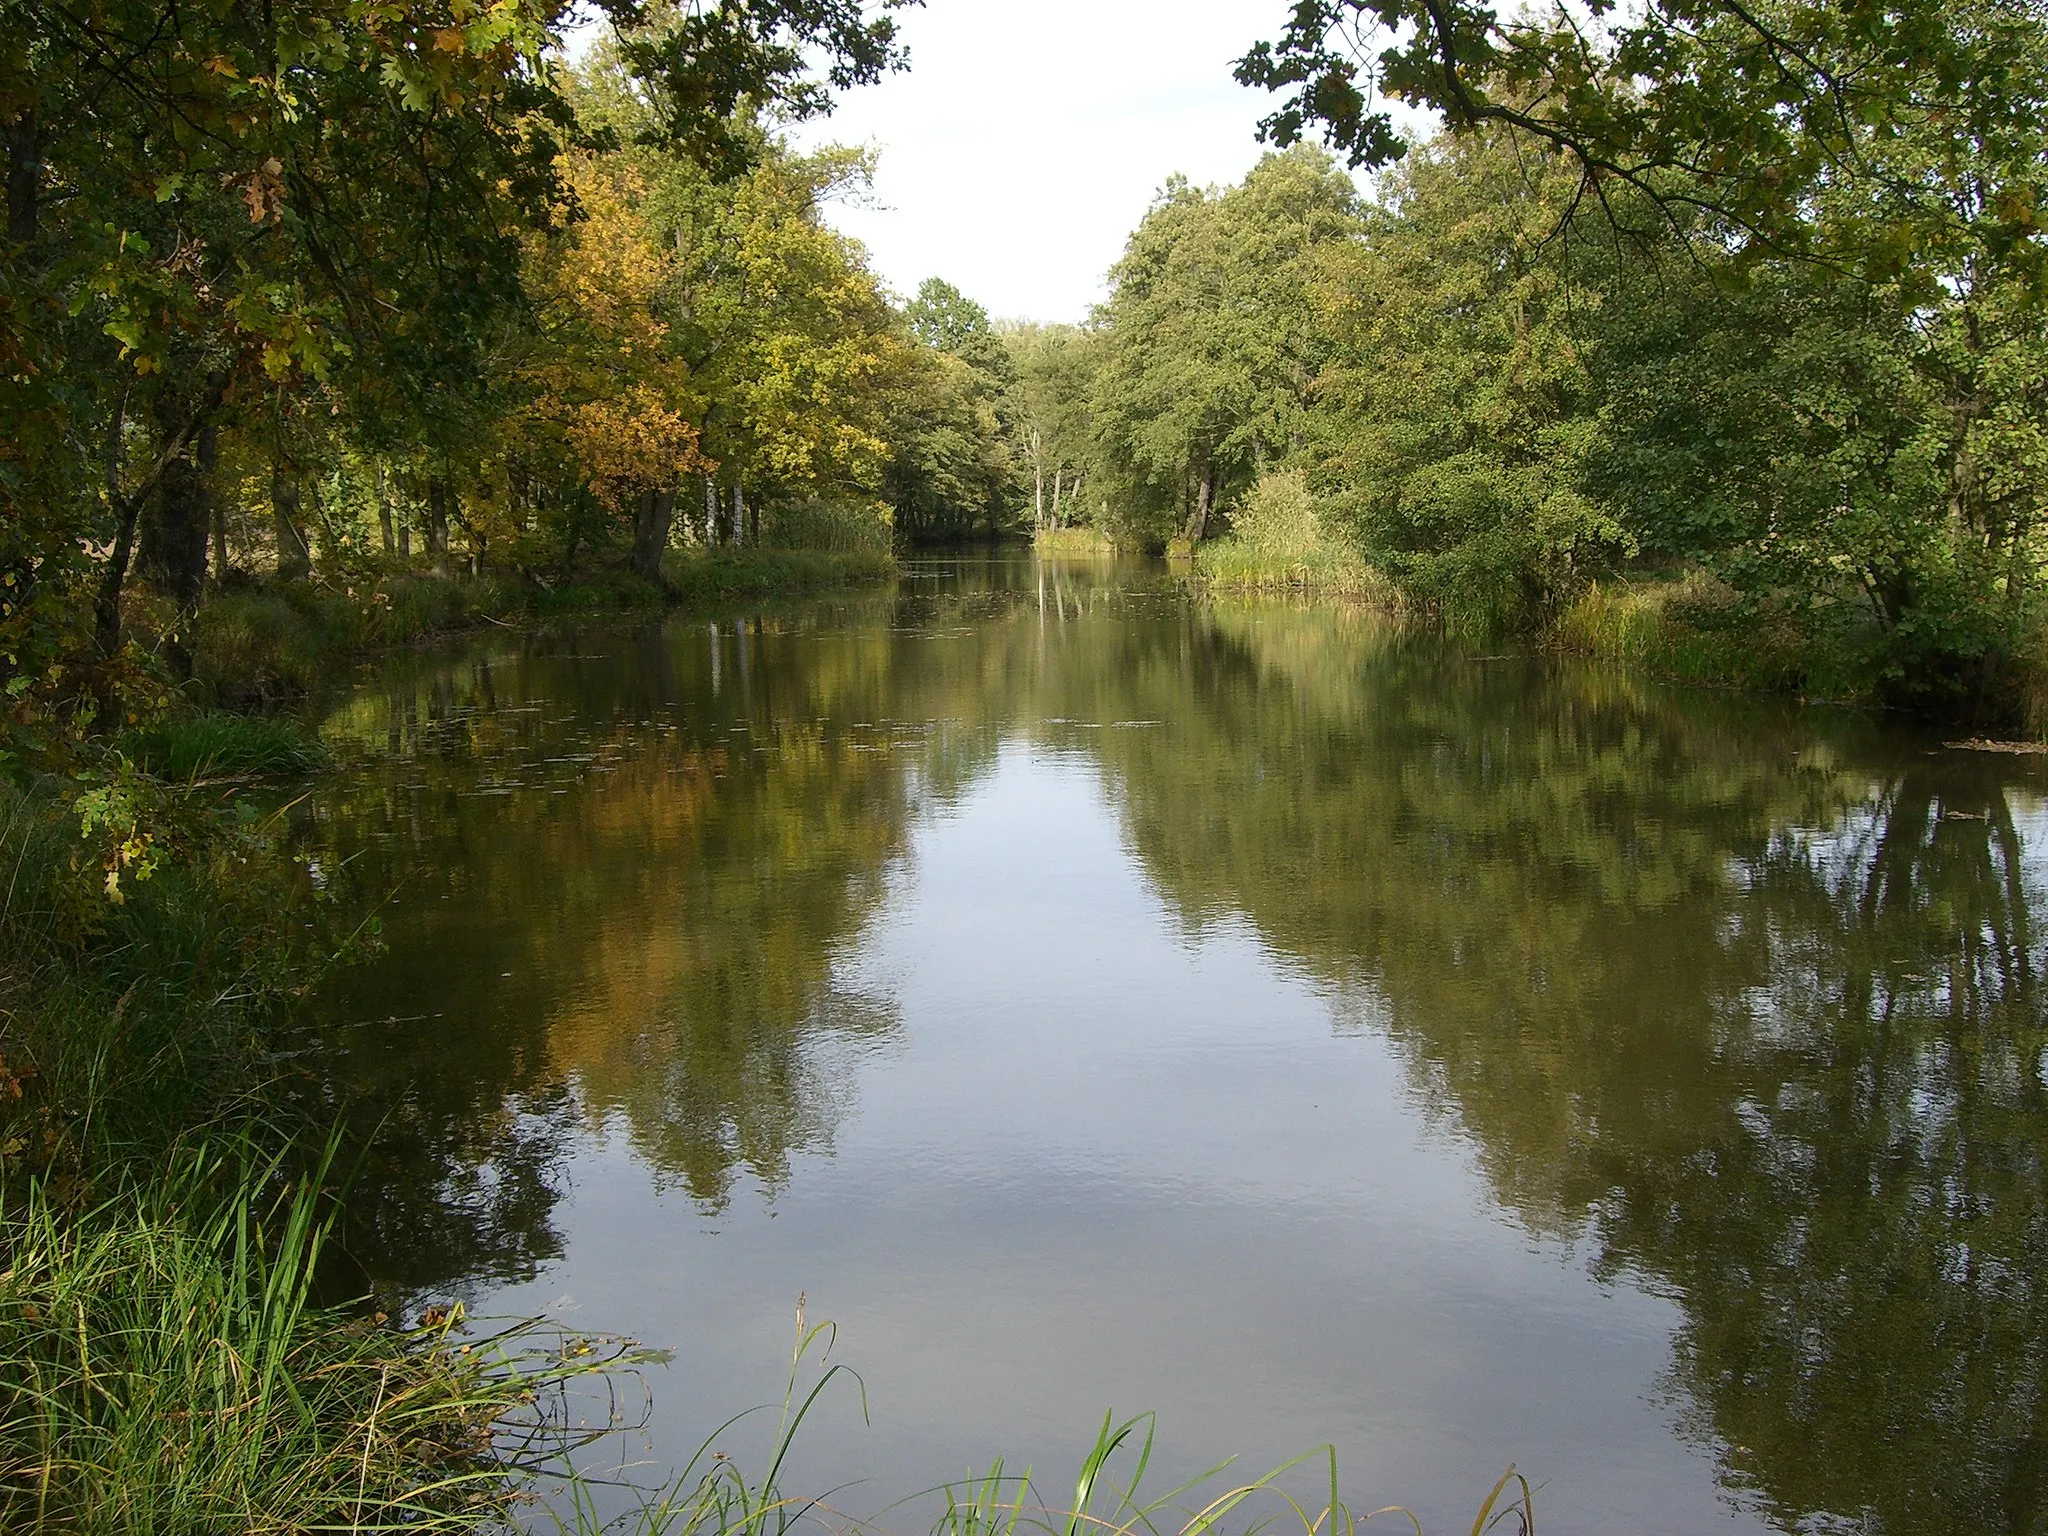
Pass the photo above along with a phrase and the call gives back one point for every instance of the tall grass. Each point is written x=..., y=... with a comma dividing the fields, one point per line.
x=1281, y=540
x=1677, y=627
x=163, y=1368
x=1231, y=565
x=720, y=574
x=1073, y=541
x=830, y=525
x=212, y=744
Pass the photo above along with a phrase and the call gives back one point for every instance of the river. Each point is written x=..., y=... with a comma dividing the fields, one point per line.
x=1091, y=996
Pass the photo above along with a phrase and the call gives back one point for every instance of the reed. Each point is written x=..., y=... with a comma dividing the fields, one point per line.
x=1072, y=541
x=163, y=1368
x=1672, y=627
x=1232, y=565
x=211, y=744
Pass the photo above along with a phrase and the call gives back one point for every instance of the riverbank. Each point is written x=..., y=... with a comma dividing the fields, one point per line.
x=166, y=1201
x=1671, y=626
x=260, y=645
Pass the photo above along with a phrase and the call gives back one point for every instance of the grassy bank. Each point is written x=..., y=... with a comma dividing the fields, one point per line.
x=1686, y=627
x=1282, y=541
x=1675, y=627
x=164, y=1215
x=259, y=645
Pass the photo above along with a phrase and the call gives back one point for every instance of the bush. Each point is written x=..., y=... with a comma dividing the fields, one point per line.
x=1280, y=539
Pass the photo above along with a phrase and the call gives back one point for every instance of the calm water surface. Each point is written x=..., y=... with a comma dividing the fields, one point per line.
x=1093, y=998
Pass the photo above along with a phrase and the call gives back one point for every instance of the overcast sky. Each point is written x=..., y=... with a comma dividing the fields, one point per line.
x=1029, y=136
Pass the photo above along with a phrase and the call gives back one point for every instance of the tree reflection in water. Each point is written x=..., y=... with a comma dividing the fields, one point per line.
x=1741, y=1000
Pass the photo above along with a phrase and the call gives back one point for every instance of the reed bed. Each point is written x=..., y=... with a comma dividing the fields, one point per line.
x=1235, y=566
x=1072, y=541
x=1671, y=627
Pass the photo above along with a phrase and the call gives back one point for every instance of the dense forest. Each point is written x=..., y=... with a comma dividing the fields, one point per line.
x=343, y=296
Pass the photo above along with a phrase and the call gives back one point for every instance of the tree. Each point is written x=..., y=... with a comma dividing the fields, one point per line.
x=950, y=475
x=1209, y=337
x=1455, y=428
x=1054, y=379
x=206, y=205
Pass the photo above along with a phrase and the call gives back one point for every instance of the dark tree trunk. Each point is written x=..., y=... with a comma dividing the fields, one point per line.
x=294, y=558
x=106, y=607
x=653, y=517
x=24, y=178
x=178, y=517
x=437, y=525
x=175, y=522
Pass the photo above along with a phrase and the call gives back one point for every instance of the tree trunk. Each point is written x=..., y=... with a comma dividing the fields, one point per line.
x=24, y=178
x=739, y=514
x=1057, y=475
x=175, y=522
x=106, y=607
x=1205, y=492
x=1038, y=486
x=653, y=516
x=710, y=511
x=178, y=517
x=384, y=511
x=294, y=557
x=437, y=525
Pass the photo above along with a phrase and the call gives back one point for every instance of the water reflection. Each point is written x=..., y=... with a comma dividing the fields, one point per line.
x=1742, y=1002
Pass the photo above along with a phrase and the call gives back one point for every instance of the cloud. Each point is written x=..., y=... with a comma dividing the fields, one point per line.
x=1028, y=138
